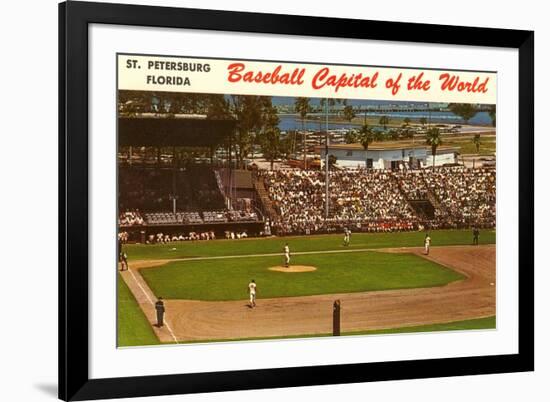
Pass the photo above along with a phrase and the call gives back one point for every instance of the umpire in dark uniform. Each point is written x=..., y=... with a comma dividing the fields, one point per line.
x=476, y=236
x=159, y=306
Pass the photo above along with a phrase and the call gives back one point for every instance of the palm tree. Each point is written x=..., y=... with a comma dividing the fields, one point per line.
x=331, y=161
x=331, y=102
x=350, y=137
x=366, y=137
x=394, y=134
x=477, y=141
x=272, y=145
x=433, y=139
x=464, y=110
x=406, y=133
x=423, y=121
x=384, y=121
x=349, y=114
x=302, y=107
x=493, y=114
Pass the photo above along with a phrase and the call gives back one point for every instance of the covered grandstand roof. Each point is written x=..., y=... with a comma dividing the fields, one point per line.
x=170, y=131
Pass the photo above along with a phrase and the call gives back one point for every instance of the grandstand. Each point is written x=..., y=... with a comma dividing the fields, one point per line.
x=184, y=190
x=381, y=200
x=177, y=191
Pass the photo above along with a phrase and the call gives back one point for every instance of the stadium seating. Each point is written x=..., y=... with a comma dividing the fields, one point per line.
x=168, y=218
x=381, y=200
x=198, y=192
x=363, y=200
x=467, y=196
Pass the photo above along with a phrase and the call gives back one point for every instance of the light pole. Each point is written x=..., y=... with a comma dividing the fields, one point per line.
x=174, y=199
x=326, y=161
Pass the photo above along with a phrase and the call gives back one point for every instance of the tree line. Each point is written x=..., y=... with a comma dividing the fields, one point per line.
x=258, y=122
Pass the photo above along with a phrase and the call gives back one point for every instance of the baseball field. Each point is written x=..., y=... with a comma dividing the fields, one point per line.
x=384, y=281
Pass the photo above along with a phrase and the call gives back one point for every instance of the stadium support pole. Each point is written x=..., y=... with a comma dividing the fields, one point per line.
x=326, y=161
x=304, y=144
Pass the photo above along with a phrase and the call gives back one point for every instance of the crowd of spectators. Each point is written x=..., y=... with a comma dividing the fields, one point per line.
x=358, y=198
x=412, y=184
x=130, y=218
x=242, y=216
x=467, y=196
x=378, y=200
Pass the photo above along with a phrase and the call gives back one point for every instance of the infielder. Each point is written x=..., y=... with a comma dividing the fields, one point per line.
x=427, y=242
x=287, y=255
x=347, y=234
x=252, y=293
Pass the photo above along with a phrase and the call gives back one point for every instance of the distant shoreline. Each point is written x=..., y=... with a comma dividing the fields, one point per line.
x=374, y=121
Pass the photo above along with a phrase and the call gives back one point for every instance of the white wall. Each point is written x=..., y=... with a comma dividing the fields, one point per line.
x=383, y=159
x=440, y=159
x=356, y=159
x=29, y=147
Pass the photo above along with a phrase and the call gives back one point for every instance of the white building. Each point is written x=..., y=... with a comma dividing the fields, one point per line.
x=389, y=155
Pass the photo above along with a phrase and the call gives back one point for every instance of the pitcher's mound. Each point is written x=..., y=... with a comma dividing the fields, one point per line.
x=293, y=268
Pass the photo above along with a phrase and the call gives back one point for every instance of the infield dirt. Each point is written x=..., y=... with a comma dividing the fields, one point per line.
x=293, y=268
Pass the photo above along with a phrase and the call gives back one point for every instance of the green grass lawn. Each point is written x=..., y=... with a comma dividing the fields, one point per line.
x=301, y=243
x=487, y=145
x=227, y=279
x=133, y=327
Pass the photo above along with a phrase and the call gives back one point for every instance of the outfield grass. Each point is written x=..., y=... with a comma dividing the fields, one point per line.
x=227, y=279
x=133, y=327
x=477, y=323
x=301, y=243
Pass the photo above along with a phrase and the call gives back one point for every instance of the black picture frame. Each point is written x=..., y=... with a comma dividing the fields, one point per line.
x=74, y=19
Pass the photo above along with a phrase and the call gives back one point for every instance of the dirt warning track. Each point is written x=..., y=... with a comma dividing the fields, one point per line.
x=473, y=297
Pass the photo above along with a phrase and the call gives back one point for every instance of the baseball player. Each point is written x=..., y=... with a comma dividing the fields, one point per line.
x=123, y=261
x=347, y=234
x=427, y=242
x=252, y=293
x=287, y=255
